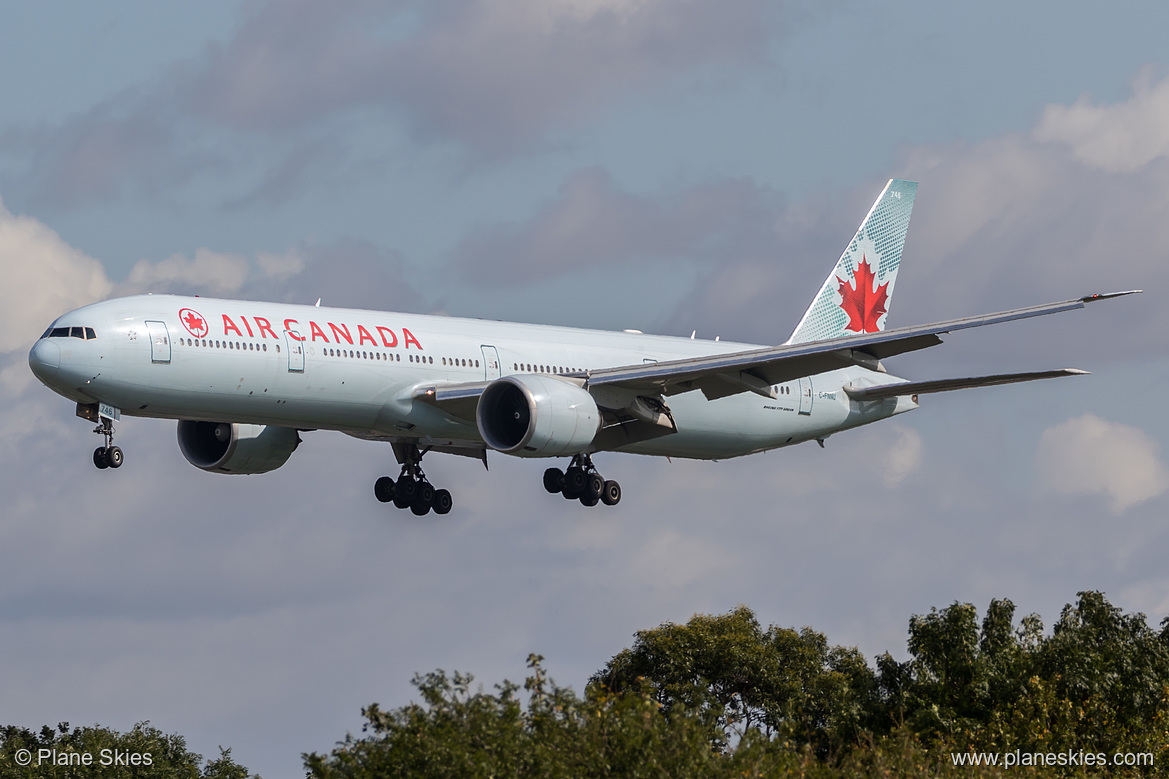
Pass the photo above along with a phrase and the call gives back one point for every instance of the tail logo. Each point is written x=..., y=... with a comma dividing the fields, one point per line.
x=863, y=300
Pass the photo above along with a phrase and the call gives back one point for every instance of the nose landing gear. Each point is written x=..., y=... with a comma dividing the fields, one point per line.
x=413, y=490
x=108, y=456
x=582, y=482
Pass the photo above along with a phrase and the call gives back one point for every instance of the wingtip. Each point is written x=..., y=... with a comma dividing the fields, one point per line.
x=1107, y=295
x=1076, y=372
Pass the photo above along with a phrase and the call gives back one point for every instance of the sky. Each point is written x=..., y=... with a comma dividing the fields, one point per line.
x=666, y=165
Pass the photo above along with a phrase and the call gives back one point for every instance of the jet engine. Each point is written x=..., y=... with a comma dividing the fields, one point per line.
x=229, y=447
x=537, y=416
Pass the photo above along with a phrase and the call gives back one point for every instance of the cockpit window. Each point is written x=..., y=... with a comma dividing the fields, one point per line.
x=84, y=333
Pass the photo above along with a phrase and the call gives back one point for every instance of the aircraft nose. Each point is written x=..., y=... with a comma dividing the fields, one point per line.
x=44, y=359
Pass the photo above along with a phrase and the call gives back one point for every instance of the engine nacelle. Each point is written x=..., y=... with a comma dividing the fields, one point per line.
x=537, y=416
x=229, y=447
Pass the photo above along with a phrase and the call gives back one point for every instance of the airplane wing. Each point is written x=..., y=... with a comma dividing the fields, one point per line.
x=879, y=391
x=757, y=370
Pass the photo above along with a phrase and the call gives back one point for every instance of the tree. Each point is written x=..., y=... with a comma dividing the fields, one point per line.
x=110, y=754
x=739, y=678
x=455, y=732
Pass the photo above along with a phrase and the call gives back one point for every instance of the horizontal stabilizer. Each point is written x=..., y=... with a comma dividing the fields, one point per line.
x=945, y=385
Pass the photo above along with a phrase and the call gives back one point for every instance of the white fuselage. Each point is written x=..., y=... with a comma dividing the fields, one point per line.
x=357, y=371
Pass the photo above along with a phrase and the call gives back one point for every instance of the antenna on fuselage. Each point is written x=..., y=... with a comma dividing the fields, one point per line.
x=318, y=303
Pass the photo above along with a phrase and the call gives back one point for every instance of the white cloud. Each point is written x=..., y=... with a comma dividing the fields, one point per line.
x=43, y=278
x=219, y=273
x=1088, y=455
x=280, y=266
x=1119, y=138
x=903, y=457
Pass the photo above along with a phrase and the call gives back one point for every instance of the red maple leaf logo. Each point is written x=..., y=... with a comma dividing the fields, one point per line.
x=194, y=322
x=863, y=304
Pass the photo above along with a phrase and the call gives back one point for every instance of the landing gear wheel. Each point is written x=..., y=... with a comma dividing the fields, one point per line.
x=595, y=486
x=405, y=492
x=114, y=457
x=581, y=481
x=575, y=481
x=423, y=499
x=383, y=489
x=108, y=456
x=554, y=480
x=442, y=502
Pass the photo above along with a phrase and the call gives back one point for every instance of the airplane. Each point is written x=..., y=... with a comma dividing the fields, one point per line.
x=245, y=378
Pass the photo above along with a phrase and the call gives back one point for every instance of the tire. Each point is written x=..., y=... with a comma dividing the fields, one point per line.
x=423, y=499
x=442, y=502
x=383, y=489
x=589, y=500
x=404, y=492
x=595, y=486
x=115, y=457
x=554, y=480
x=575, y=481
x=99, y=458
x=612, y=494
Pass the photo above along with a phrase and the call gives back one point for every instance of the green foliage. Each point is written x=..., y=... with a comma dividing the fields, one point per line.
x=455, y=732
x=61, y=752
x=1099, y=683
x=785, y=684
x=722, y=696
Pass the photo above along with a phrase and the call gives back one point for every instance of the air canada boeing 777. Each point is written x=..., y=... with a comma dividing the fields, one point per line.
x=244, y=379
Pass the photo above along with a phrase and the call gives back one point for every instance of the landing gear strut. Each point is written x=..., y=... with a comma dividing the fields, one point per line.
x=582, y=482
x=108, y=456
x=412, y=490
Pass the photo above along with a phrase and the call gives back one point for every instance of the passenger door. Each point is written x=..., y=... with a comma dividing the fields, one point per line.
x=490, y=363
x=159, y=341
x=806, y=395
x=295, y=352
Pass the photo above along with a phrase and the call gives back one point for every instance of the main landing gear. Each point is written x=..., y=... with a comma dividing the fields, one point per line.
x=412, y=490
x=582, y=482
x=108, y=456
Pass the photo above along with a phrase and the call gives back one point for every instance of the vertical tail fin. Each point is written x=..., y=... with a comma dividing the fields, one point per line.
x=855, y=296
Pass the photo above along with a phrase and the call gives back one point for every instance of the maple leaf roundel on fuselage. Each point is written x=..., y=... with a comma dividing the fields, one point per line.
x=863, y=304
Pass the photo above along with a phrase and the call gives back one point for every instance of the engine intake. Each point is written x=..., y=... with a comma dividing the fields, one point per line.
x=230, y=447
x=537, y=416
